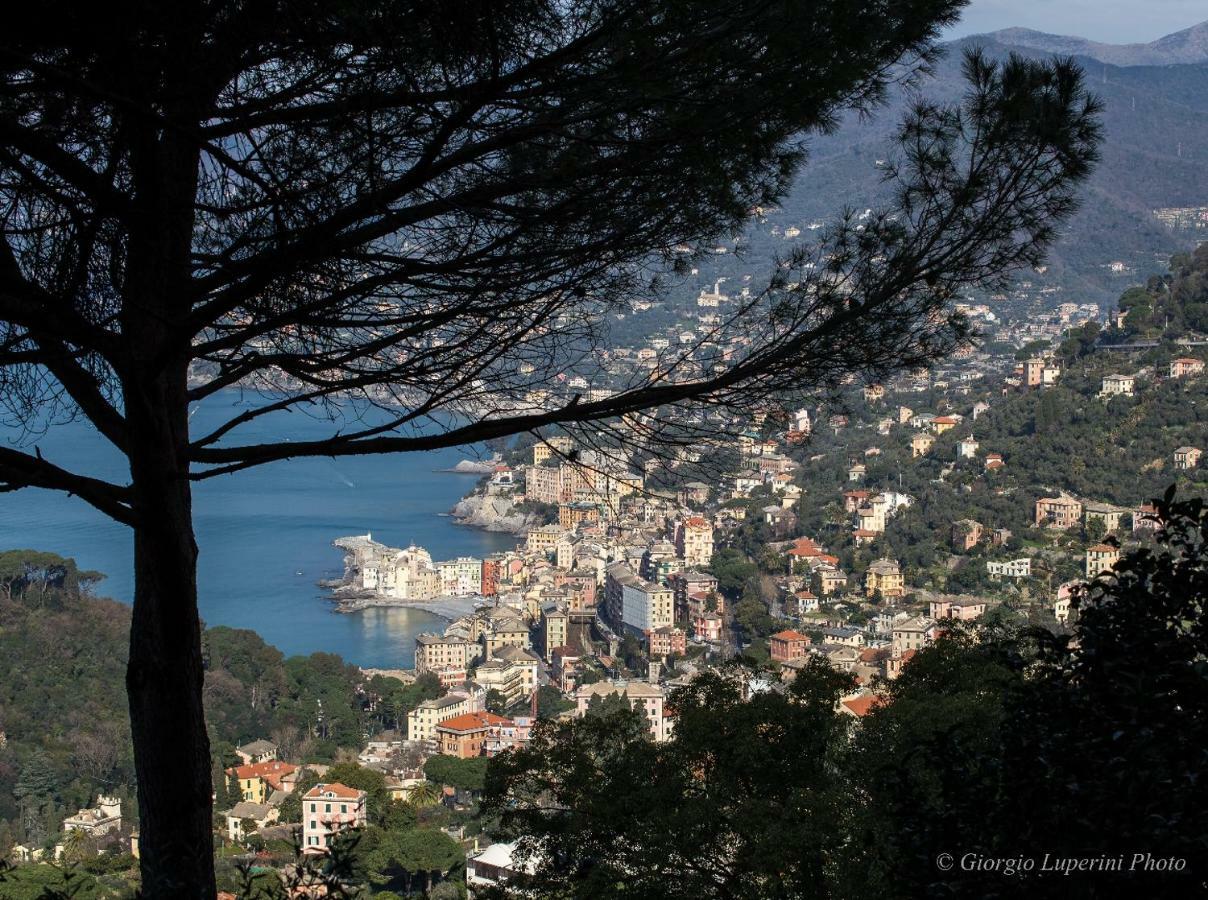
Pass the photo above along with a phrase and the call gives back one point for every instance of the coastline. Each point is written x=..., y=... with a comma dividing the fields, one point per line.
x=450, y=608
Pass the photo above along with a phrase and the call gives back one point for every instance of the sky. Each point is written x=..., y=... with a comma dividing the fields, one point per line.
x=1109, y=21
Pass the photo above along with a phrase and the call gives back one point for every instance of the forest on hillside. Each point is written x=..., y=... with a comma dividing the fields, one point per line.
x=62, y=745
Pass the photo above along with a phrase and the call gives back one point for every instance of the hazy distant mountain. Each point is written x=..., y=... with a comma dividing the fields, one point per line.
x=1187, y=46
x=1154, y=155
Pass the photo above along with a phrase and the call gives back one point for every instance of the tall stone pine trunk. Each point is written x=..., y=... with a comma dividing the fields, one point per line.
x=164, y=675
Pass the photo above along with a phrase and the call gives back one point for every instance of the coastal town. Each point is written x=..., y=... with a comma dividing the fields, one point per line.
x=657, y=451
x=855, y=531
x=632, y=576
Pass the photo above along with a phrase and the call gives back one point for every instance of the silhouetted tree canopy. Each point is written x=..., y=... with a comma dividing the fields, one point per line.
x=428, y=208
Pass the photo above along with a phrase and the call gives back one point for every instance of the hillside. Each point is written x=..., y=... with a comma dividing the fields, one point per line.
x=62, y=745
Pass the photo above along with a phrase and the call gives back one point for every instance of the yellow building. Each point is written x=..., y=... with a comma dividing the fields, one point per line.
x=885, y=575
x=1100, y=558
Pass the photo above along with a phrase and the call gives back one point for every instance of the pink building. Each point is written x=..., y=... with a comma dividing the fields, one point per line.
x=328, y=809
x=963, y=608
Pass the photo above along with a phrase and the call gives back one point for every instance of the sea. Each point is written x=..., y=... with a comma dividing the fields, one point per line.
x=264, y=534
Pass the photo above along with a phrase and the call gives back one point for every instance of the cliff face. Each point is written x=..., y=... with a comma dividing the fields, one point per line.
x=493, y=513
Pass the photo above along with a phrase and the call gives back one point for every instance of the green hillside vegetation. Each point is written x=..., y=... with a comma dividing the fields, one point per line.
x=64, y=744
x=1169, y=306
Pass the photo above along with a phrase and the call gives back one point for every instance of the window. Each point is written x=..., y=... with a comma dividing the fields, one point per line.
x=328, y=809
x=313, y=825
x=314, y=807
x=343, y=807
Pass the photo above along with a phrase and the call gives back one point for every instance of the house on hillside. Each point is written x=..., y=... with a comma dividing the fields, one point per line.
x=1062, y=511
x=1187, y=457
x=1117, y=386
x=1100, y=558
x=327, y=810
x=1185, y=366
x=256, y=752
x=884, y=576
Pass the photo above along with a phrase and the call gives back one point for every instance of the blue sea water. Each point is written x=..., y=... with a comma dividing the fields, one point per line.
x=265, y=534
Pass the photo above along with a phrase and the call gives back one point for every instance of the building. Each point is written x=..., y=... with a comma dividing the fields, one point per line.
x=1100, y=558
x=446, y=656
x=635, y=603
x=668, y=640
x=572, y=515
x=494, y=866
x=1185, y=366
x=940, y=424
x=830, y=580
x=327, y=810
x=422, y=721
x=786, y=645
x=686, y=584
x=259, y=814
x=1117, y=386
x=967, y=448
x=543, y=539
x=259, y=780
x=461, y=577
x=1033, y=372
x=913, y=634
x=256, y=751
x=512, y=671
x=844, y=637
x=1062, y=511
x=407, y=574
x=966, y=534
x=467, y=736
x=884, y=576
x=505, y=631
x=921, y=444
x=707, y=626
x=554, y=624
x=644, y=697
x=546, y=448
x=1015, y=568
x=964, y=609
x=104, y=818
x=1187, y=457
x=694, y=541
x=1106, y=513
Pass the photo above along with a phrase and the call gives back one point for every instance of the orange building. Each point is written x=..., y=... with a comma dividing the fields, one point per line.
x=466, y=736
x=786, y=645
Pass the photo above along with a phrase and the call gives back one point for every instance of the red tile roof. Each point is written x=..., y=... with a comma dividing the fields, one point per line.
x=343, y=791
x=467, y=722
x=862, y=705
x=790, y=635
x=271, y=771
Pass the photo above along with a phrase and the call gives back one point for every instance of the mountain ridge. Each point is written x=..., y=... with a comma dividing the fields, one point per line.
x=1188, y=46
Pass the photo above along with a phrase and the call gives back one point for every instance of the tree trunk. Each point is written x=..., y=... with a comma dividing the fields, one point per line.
x=165, y=673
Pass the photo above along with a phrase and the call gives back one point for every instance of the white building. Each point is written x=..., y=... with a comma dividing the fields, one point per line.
x=1016, y=568
x=103, y=818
